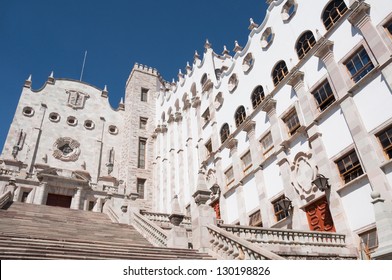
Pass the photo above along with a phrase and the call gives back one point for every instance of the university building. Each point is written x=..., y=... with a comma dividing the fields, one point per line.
x=281, y=148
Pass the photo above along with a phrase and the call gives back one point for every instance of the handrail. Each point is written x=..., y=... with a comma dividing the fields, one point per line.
x=163, y=217
x=287, y=236
x=5, y=198
x=229, y=246
x=154, y=234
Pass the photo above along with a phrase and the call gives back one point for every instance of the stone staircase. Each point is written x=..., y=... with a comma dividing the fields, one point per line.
x=29, y=231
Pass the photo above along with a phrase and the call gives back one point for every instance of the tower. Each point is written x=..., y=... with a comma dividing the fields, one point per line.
x=138, y=145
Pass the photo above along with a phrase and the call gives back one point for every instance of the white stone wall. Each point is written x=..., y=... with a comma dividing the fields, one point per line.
x=53, y=98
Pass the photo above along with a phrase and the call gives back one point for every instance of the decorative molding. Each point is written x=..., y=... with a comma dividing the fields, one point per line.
x=76, y=99
x=66, y=149
x=303, y=172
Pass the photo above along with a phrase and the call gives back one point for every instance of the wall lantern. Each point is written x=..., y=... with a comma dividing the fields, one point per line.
x=215, y=189
x=321, y=182
x=285, y=204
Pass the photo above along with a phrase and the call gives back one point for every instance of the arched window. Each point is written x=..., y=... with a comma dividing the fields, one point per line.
x=203, y=79
x=224, y=132
x=333, y=12
x=304, y=44
x=280, y=71
x=240, y=115
x=267, y=38
x=257, y=96
x=289, y=10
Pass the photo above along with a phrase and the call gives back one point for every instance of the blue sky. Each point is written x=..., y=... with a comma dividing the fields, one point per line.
x=37, y=37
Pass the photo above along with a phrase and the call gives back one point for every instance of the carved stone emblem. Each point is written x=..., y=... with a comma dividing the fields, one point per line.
x=66, y=149
x=303, y=172
x=76, y=99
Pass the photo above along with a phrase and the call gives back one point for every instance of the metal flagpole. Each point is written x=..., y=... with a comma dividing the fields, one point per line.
x=84, y=61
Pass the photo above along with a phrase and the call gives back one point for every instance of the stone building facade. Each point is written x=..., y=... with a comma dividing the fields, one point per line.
x=308, y=97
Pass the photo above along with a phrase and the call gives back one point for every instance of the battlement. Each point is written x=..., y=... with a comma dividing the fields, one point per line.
x=146, y=69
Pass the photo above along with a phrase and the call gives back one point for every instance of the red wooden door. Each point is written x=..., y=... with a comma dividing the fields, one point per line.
x=319, y=216
x=216, y=207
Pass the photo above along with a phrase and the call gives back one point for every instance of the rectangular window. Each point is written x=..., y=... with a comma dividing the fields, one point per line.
x=349, y=167
x=208, y=146
x=255, y=219
x=388, y=27
x=143, y=96
x=280, y=214
x=385, y=138
x=324, y=96
x=267, y=144
x=292, y=122
x=143, y=123
x=359, y=65
x=247, y=163
x=142, y=153
x=229, y=176
x=140, y=187
x=369, y=240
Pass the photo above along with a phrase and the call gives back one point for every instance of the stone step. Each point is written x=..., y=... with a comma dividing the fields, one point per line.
x=44, y=232
x=10, y=245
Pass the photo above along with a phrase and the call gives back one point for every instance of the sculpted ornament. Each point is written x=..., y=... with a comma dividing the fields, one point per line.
x=76, y=99
x=303, y=172
x=66, y=149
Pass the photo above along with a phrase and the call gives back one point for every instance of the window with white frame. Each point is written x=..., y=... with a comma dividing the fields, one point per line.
x=229, y=176
x=385, y=138
x=292, y=122
x=349, y=167
x=324, y=95
x=359, y=64
x=267, y=144
x=247, y=163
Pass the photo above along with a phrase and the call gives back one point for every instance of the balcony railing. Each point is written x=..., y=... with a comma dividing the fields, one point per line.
x=226, y=245
x=294, y=243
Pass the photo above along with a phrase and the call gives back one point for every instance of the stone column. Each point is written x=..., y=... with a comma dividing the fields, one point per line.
x=308, y=108
x=257, y=158
x=298, y=217
x=180, y=156
x=177, y=237
x=41, y=193
x=172, y=159
x=164, y=168
x=200, y=145
x=384, y=228
x=189, y=147
x=327, y=168
x=76, y=199
x=238, y=174
x=338, y=82
x=202, y=215
x=158, y=174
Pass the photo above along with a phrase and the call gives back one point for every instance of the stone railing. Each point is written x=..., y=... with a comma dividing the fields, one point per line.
x=225, y=245
x=287, y=236
x=287, y=242
x=5, y=198
x=154, y=234
x=163, y=218
x=108, y=209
